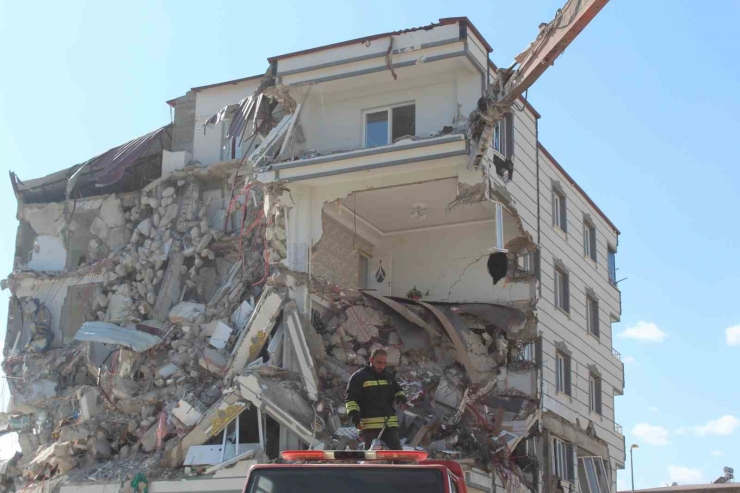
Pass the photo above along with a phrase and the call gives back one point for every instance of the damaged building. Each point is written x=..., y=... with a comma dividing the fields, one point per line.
x=195, y=300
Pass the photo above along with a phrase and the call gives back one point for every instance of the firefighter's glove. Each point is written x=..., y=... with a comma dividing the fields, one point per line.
x=355, y=417
x=401, y=401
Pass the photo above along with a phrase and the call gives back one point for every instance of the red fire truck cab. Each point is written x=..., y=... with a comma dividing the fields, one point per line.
x=317, y=471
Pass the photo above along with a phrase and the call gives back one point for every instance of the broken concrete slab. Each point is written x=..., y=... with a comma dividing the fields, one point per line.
x=186, y=312
x=280, y=400
x=187, y=414
x=302, y=352
x=229, y=406
x=219, y=334
x=240, y=317
x=171, y=286
x=255, y=335
x=213, y=360
x=91, y=403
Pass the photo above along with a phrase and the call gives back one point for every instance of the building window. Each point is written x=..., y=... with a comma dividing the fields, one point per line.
x=594, y=391
x=559, y=211
x=563, y=460
x=562, y=290
x=592, y=475
x=529, y=263
x=589, y=240
x=592, y=316
x=562, y=373
x=612, y=266
x=382, y=127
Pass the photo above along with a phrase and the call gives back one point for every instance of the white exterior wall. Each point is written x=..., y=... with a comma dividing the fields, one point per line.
x=571, y=328
x=556, y=325
x=207, y=145
x=334, y=121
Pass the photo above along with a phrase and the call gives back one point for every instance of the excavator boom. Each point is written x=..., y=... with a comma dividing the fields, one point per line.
x=510, y=83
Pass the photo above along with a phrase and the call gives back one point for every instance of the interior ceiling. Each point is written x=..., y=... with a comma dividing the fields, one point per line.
x=389, y=209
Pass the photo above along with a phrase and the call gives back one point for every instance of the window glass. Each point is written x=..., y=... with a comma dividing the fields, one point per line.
x=376, y=129
x=593, y=483
x=404, y=121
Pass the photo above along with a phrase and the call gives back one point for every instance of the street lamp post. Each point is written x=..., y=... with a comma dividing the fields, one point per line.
x=632, y=466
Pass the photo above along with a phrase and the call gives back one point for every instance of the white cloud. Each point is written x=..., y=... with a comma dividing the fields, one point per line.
x=651, y=434
x=644, y=331
x=684, y=474
x=717, y=453
x=682, y=431
x=628, y=360
x=723, y=426
x=732, y=335
x=653, y=409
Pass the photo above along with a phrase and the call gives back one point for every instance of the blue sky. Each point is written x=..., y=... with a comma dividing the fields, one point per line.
x=642, y=110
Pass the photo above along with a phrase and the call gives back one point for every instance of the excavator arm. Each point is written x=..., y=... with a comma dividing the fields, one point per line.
x=512, y=82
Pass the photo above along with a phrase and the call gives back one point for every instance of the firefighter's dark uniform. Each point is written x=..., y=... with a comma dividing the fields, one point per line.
x=369, y=401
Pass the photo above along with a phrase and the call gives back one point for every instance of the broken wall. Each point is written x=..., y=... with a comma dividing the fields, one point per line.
x=449, y=263
x=183, y=129
x=207, y=142
x=336, y=257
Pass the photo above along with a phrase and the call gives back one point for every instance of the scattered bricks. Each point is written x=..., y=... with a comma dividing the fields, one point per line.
x=186, y=312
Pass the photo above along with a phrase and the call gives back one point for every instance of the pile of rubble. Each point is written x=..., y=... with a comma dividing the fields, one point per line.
x=187, y=319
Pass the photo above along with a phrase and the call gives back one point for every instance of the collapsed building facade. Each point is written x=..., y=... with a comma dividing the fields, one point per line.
x=196, y=299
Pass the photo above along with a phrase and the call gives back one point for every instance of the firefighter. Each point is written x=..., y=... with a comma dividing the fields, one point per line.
x=371, y=393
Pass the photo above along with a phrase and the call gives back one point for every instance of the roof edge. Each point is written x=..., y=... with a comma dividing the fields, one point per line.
x=577, y=186
x=442, y=22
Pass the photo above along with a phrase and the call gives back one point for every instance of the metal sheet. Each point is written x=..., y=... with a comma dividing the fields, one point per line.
x=113, y=334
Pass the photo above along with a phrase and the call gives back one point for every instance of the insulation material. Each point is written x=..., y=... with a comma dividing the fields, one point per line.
x=113, y=334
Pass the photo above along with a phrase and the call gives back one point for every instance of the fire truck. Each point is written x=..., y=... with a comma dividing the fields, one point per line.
x=358, y=471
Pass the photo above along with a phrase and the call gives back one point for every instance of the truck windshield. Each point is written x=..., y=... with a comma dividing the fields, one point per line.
x=345, y=479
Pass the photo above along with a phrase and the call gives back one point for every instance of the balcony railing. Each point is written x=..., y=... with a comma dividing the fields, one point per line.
x=616, y=354
x=618, y=428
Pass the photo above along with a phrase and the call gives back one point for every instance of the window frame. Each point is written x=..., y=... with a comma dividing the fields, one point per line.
x=594, y=394
x=563, y=460
x=389, y=113
x=592, y=316
x=563, y=373
x=560, y=210
x=562, y=290
x=611, y=256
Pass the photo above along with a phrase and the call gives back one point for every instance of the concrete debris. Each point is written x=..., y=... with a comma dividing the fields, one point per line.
x=186, y=312
x=191, y=311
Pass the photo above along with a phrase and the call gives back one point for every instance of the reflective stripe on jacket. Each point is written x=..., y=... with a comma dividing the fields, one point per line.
x=372, y=395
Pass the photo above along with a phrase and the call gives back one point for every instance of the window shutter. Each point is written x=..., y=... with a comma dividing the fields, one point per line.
x=564, y=214
x=566, y=360
x=537, y=263
x=598, y=395
x=593, y=243
x=538, y=352
x=595, y=319
x=566, y=293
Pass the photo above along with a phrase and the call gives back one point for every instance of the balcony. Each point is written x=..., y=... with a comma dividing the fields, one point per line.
x=618, y=428
x=444, y=151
